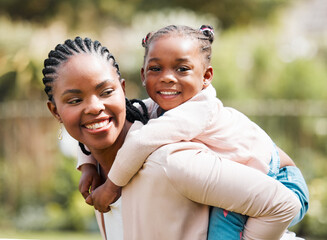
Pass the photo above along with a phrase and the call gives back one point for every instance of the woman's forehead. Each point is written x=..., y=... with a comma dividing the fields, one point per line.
x=85, y=69
x=85, y=60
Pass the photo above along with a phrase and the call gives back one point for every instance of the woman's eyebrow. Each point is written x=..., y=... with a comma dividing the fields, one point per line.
x=76, y=91
x=103, y=83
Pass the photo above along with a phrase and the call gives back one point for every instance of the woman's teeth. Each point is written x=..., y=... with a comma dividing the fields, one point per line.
x=97, y=125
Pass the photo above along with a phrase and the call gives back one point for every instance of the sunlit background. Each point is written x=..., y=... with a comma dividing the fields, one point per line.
x=269, y=59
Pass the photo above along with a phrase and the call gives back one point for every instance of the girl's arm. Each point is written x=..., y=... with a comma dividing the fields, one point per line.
x=90, y=178
x=182, y=123
x=203, y=177
x=84, y=159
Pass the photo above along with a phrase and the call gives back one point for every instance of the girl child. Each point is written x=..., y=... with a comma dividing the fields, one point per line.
x=177, y=76
x=86, y=94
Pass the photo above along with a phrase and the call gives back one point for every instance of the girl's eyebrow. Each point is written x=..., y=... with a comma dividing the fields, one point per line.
x=182, y=60
x=153, y=59
x=177, y=60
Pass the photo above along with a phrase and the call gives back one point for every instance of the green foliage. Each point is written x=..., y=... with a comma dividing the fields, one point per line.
x=7, y=85
x=57, y=205
x=230, y=12
x=254, y=71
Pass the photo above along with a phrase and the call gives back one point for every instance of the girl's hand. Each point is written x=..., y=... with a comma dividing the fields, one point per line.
x=105, y=195
x=89, y=180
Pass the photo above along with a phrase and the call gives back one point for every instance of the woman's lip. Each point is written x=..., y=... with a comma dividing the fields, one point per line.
x=95, y=120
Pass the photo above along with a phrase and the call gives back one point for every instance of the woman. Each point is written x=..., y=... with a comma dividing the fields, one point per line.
x=165, y=199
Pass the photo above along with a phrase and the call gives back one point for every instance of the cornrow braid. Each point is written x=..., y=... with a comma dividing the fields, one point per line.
x=205, y=36
x=133, y=113
x=63, y=52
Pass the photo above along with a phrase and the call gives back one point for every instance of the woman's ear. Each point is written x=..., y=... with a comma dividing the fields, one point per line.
x=207, y=76
x=122, y=82
x=53, y=109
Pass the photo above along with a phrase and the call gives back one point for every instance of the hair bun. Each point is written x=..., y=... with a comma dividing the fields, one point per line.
x=208, y=31
x=145, y=40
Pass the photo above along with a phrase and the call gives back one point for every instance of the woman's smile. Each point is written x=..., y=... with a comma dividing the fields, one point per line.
x=98, y=125
x=89, y=99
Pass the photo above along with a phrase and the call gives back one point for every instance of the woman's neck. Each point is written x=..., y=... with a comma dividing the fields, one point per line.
x=106, y=157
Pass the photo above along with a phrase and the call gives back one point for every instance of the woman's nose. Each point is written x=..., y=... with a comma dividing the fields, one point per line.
x=94, y=106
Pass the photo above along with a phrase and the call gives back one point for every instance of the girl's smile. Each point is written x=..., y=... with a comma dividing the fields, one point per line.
x=174, y=71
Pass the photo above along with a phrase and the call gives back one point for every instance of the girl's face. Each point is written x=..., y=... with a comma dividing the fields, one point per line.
x=89, y=100
x=174, y=71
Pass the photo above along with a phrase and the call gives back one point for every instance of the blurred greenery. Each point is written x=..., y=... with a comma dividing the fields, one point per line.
x=269, y=60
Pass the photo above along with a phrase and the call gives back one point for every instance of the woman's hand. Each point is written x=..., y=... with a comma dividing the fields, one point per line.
x=89, y=180
x=104, y=195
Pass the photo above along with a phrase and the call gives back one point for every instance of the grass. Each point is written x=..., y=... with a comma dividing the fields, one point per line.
x=50, y=235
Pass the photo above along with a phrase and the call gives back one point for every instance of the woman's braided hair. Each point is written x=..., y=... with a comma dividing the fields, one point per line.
x=205, y=36
x=63, y=52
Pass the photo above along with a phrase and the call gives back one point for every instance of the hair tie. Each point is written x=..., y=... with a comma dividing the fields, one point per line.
x=145, y=40
x=206, y=28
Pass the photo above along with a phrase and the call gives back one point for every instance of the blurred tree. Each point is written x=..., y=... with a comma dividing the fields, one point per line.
x=30, y=10
x=229, y=12
x=7, y=85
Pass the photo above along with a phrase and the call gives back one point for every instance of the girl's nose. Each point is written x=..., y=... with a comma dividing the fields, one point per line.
x=94, y=106
x=168, y=77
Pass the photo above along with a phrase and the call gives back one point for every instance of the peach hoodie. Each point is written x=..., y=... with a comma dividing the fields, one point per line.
x=203, y=119
x=168, y=196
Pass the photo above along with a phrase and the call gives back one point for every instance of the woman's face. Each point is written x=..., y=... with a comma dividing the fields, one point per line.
x=89, y=100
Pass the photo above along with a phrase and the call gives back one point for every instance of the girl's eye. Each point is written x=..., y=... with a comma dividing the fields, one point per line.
x=154, y=69
x=182, y=69
x=107, y=92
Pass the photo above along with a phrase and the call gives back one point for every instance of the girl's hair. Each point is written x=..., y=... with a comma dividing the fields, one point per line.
x=63, y=52
x=204, y=35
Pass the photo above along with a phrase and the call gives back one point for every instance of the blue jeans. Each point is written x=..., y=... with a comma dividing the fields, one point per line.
x=229, y=225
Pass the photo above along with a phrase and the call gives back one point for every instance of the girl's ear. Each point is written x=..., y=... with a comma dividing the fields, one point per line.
x=207, y=77
x=53, y=109
x=142, y=77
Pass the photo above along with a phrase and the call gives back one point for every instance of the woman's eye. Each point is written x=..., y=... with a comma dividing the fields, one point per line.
x=74, y=101
x=107, y=92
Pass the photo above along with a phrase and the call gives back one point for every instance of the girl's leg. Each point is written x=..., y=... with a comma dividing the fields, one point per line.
x=225, y=225
x=235, y=187
x=292, y=178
